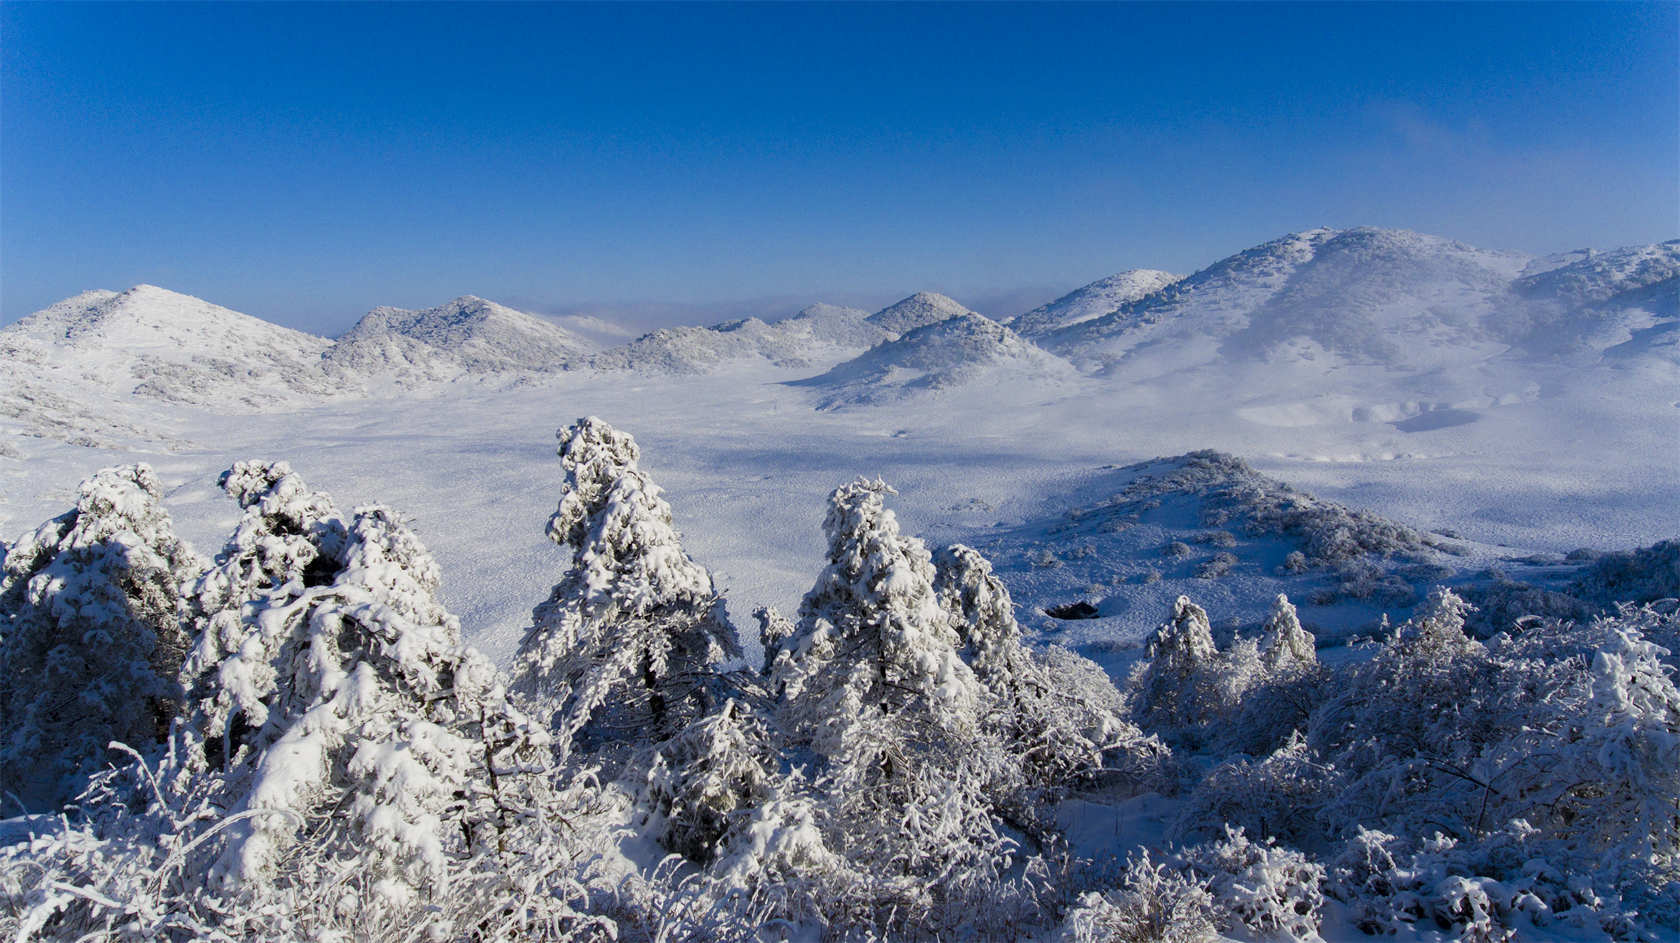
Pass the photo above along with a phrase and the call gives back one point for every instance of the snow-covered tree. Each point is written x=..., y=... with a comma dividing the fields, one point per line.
x=633, y=632
x=873, y=682
x=1285, y=646
x=1058, y=713
x=92, y=635
x=1178, y=683
x=1273, y=684
x=342, y=724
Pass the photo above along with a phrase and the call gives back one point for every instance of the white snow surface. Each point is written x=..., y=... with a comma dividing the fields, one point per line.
x=1406, y=398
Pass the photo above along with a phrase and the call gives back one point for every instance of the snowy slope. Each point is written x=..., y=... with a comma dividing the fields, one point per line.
x=466, y=337
x=1367, y=295
x=962, y=349
x=159, y=344
x=918, y=310
x=819, y=334
x=1092, y=301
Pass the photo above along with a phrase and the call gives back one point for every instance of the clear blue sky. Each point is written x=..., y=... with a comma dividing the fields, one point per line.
x=304, y=163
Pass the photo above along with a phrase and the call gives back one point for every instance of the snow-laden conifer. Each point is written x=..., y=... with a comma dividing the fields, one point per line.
x=92, y=635
x=1177, y=685
x=1285, y=646
x=342, y=721
x=706, y=782
x=634, y=630
x=1058, y=713
x=873, y=682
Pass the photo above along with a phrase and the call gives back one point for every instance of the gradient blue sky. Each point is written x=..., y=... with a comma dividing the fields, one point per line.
x=305, y=162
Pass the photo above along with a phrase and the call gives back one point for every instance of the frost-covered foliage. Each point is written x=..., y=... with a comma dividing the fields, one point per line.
x=92, y=606
x=1201, y=890
x=342, y=766
x=629, y=637
x=1155, y=903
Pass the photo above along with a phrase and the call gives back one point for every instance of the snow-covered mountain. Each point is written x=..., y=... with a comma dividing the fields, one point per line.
x=1621, y=303
x=1092, y=301
x=949, y=353
x=818, y=334
x=466, y=337
x=1362, y=295
x=160, y=344
x=918, y=310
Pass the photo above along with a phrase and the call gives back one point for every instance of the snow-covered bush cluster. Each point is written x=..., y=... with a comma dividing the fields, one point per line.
x=293, y=742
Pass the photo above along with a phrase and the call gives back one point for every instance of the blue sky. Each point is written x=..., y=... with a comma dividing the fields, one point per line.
x=304, y=163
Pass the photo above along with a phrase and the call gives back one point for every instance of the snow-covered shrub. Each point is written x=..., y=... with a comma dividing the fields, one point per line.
x=1499, y=888
x=118, y=874
x=1552, y=752
x=93, y=606
x=1276, y=796
x=634, y=629
x=1268, y=888
x=1216, y=566
x=1155, y=903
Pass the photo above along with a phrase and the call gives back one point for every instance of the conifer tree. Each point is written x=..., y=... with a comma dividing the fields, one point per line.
x=92, y=635
x=340, y=720
x=634, y=632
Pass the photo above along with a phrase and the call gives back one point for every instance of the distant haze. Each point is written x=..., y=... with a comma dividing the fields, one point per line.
x=690, y=163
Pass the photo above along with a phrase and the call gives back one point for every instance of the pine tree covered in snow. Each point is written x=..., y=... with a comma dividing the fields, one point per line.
x=343, y=724
x=707, y=781
x=633, y=633
x=1177, y=685
x=1057, y=712
x=92, y=606
x=873, y=683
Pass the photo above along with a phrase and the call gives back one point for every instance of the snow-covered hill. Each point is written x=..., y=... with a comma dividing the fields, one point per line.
x=819, y=334
x=1092, y=301
x=1622, y=303
x=949, y=353
x=1363, y=295
x=466, y=337
x=918, y=310
x=163, y=345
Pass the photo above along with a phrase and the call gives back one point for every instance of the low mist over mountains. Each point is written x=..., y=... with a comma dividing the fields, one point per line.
x=1322, y=300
